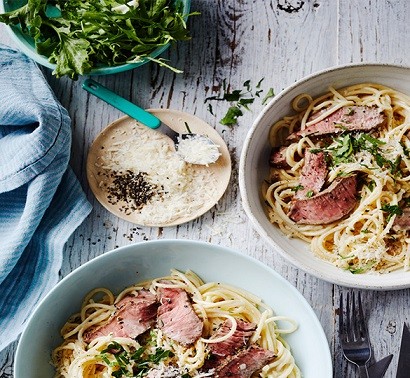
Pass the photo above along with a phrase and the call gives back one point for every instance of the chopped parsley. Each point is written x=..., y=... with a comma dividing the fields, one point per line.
x=371, y=185
x=346, y=146
x=343, y=150
x=315, y=150
x=309, y=194
x=231, y=116
x=361, y=269
x=297, y=187
x=406, y=151
x=391, y=210
x=395, y=165
x=140, y=361
x=239, y=99
x=268, y=96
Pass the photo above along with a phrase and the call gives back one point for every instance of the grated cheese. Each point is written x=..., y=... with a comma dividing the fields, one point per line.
x=198, y=149
x=182, y=189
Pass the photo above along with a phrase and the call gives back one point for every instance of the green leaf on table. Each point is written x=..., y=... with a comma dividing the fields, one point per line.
x=231, y=116
x=240, y=98
x=268, y=96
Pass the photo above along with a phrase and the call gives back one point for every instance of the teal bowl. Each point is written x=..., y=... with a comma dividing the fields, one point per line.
x=26, y=43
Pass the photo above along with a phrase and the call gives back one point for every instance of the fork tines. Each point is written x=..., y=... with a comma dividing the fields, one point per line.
x=353, y=333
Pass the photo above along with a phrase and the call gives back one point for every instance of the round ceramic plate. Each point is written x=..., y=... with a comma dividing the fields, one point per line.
x=120, y=131
x=128, y=265
x=254, y=169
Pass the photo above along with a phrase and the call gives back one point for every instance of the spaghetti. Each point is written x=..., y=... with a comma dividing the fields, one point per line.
x=109, y=356
x=365, y=240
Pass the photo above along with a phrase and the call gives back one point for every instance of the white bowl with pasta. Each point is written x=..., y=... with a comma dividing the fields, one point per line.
x=295, y=323
x=363, y=248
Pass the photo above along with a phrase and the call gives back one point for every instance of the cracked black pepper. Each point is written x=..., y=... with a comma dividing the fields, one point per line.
x=132, y=188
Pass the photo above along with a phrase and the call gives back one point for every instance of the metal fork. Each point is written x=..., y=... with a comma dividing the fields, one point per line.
x=353, y=333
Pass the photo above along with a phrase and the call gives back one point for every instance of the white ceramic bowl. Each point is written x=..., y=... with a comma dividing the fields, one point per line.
x=254, y=169
x=127, y=265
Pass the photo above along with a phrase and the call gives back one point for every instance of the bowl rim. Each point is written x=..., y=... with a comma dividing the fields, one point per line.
x=326, y=276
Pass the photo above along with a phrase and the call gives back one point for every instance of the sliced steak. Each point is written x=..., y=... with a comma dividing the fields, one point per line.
x=348, y=118
x=278, y=157
x=313, y=174
x=330, y=205
x=239, y=339
x=245, y=363
x=176, y=316
x=133, y=316
x=402, y=221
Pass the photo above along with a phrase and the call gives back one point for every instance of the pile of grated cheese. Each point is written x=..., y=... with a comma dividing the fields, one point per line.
x=198, y=149
x=182, y=189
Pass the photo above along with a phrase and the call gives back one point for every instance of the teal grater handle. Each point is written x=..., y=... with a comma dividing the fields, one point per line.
x=121, y=103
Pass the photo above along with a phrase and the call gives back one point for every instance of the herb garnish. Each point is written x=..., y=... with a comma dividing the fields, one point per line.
x=309, y=194
x=346, y=146
x=406, y=151
x=366, y=267
x=296, y=188
x=116, y=356
x=371, y=185
x=91, y=32
x=241, y=99
x=391, y=210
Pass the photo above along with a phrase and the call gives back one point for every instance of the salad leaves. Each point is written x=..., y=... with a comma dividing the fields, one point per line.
x=79, y=35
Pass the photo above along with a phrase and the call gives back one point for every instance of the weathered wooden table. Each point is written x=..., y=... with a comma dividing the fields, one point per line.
x=238, y=40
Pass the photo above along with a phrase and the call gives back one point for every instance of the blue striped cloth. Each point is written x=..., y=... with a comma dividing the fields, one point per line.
x=41, y=201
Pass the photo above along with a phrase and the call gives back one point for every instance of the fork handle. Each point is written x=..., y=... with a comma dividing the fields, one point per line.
x=121, y=103
x=363, y=372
